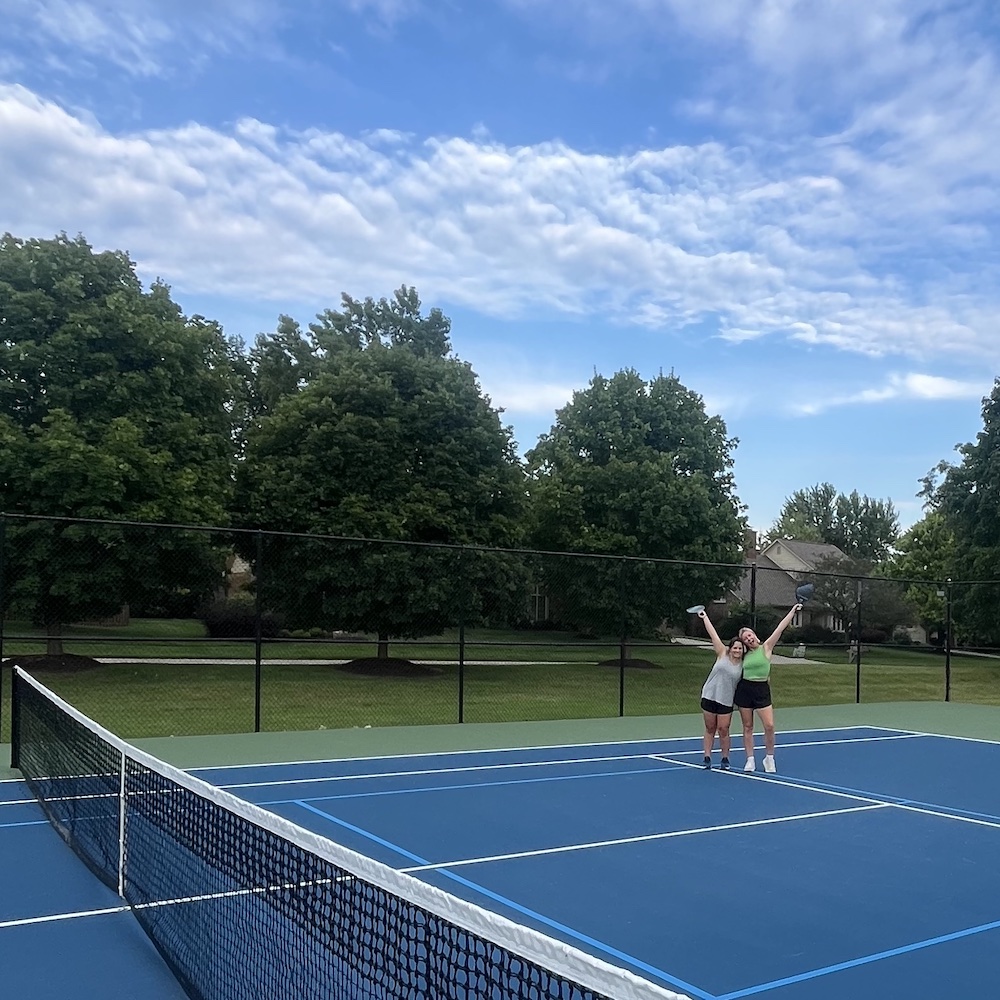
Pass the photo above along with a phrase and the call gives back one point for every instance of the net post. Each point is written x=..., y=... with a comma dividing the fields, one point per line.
x=15, y=719
x=121, y=825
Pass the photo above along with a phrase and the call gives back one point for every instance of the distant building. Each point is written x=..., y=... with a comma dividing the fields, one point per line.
x=782, y=565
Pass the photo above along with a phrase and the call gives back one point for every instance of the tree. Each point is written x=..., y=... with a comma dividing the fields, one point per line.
x=113, y=405
x=966, y=496
x=926, y=552
x=841, y=582
x=858, y=525
x=634, y=469
x=383, y=435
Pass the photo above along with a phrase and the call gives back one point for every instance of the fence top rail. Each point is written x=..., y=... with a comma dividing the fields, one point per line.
x=317, y=536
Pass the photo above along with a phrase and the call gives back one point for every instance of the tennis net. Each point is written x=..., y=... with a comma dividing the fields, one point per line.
x=241, y=903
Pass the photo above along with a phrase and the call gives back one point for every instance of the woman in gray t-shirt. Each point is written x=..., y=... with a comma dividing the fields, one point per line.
x=717, y=693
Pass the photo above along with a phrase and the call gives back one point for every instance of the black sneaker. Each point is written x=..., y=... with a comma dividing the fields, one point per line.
x=708, y=762
x=725, y=763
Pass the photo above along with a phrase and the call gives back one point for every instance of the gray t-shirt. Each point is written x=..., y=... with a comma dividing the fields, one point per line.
x=722, y=681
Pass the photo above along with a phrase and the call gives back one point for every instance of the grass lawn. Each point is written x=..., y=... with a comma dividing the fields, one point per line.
x=159, y=699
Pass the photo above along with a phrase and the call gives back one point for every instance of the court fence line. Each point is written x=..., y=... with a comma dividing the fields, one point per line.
x=376, y=602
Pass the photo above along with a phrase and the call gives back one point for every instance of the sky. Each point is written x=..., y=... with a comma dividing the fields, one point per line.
x=791, y=205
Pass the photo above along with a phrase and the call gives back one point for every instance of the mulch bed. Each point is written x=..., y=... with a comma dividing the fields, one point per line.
x=64, y=662
x=632, y=664
x=390, y=666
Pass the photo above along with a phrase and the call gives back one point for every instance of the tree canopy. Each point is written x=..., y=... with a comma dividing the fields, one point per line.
x=966, y=497
x=113, y=405
x=858, y=525
x=926, y=551
x=382, y=433
x=632, y=468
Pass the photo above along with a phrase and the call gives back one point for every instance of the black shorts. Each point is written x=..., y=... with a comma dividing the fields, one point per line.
x=752, y=694
x=707, y=705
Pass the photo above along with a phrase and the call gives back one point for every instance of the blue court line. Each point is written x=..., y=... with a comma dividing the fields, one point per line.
x=476, y=784
x=503, y=900
x=890, y=799
x=28, y=822
x=866, y=960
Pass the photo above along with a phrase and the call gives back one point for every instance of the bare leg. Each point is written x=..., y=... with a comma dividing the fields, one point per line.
x=711, y=721
x=767, y=718
x=746, y=714
x=724, y=741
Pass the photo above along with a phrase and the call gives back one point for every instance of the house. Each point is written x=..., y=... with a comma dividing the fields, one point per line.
x=781, y=566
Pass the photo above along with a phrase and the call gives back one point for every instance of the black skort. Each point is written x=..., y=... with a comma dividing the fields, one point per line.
x=707, y=705
x=752, y=694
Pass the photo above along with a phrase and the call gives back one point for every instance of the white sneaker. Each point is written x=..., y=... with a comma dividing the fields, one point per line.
x=750, y=765
x=769, y=765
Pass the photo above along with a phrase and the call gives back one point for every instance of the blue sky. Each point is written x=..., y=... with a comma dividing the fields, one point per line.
x=793, y=205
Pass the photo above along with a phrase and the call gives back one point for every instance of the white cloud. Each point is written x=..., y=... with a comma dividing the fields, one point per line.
x=662, y=237
x=907, y=386
x=526, y=396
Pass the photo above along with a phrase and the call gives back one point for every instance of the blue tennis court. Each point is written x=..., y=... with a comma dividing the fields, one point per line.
x=864, y=868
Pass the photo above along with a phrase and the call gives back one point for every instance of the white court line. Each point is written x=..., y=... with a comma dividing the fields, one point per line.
x=510, y=765
x=776, y=779
x=644, y=838
x=949, y=736
x=443, y=770
x=204, y=897
x=29, y=921
x=519, y=749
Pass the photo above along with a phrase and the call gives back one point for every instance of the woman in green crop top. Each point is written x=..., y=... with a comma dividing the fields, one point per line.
x=753, y=693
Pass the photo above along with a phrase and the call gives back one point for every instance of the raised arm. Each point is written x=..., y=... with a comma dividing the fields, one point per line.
x=717, y=644
x=772, y=640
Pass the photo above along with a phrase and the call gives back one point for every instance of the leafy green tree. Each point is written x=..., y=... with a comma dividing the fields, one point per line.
x=926, y=552
x=966, y=496
x=113, y=405
x=842, y=582
x=385, y=435
x=858, y=525
x=635, y=469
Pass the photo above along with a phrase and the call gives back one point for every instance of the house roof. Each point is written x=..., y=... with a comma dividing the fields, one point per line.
x=775, y=586
x=811, y=553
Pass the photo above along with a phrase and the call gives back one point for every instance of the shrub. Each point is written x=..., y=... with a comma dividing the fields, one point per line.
x=873, y=635
x=235, y=618
x=818, y=635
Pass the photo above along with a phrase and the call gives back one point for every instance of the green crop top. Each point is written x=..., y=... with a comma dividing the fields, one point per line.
x=756, y=665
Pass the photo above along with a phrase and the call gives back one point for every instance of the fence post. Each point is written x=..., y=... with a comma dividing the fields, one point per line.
x=947, y=640
x=258, y=631
x=857, y=651
x=623, y=644
x=461, y=636
x=3, y=612
x=753, y=595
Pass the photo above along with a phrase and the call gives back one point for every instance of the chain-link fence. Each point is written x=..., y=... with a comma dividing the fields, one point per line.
x=166, y=629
